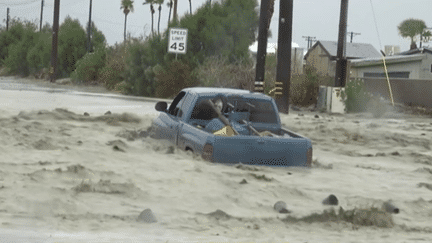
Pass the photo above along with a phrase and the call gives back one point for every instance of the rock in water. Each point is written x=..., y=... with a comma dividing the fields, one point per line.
x=281, y=207
x=390, y=208
x=331, y=200
x=147, y=216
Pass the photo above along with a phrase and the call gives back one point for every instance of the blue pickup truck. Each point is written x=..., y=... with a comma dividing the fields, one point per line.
x=230, y=126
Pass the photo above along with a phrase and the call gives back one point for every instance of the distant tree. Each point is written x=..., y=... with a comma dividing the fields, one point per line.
x=170, y=5
x=15, y=45
x=127, y=6
x=38, y=56
x=152, y=11
x=97, y=37
x=190, y=6
x=160, y=2
x=71, y=45
x=412, y=28
x=17, y=30
x=425, y=36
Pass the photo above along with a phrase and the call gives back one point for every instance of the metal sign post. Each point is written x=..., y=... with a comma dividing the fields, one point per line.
x=177, y=41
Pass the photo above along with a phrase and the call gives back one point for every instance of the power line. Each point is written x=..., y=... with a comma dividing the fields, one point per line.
x=376, y=25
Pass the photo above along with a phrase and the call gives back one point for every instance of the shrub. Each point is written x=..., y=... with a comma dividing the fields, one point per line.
x=16, y=60
x=304, y=88
x=88, y=67
x=18, y=29
x=18, y=42
x=225, y=28
x=97, y=37
x=141, y=56
x=113, y=72
x=38, y=56
x=355, y=96
x=170, y=80
x=71, y=45
x=216, y=71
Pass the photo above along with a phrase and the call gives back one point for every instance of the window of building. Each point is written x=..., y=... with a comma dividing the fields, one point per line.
x=390, y=74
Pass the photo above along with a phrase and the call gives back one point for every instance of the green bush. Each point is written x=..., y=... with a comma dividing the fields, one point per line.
x=88, y=67
x=18, y=29
x=97, y=38
x=355, y=96
x=39, y=55
x=225, y=28
x=304, y=88
x=113, y=72
x=71, y=46
x=142, y=56
x=15, y=44
x=16, y=60
x=217, y=71
x=170, y=80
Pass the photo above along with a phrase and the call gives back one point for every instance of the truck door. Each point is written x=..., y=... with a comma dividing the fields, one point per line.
x=172, y=121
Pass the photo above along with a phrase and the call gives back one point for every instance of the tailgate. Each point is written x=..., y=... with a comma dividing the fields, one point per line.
x=283, y=151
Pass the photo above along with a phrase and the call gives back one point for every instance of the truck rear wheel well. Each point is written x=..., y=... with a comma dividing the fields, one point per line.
x=188, y=149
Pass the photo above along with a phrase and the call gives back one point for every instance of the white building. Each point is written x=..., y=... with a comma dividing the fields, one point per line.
x=413, y=64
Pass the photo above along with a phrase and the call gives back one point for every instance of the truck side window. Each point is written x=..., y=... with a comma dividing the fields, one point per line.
x=175, y=105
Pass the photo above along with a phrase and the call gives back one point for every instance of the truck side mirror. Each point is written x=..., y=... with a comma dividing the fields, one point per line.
x=161, y=106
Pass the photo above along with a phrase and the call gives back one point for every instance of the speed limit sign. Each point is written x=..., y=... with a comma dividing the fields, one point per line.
x=177, y=40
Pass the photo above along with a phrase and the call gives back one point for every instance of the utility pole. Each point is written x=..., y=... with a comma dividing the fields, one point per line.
x=351, y=34
x=341, y=61
x=262, y=47
x=53, y=68
x=89, y=29
x=283, y=66
x=310, y=40
x=40, y=26
x=7, y=19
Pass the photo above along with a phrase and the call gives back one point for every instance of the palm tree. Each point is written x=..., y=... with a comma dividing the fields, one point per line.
x=425, y=36
x=127, y=6
x=170, y=4
x=151, y=2
x=411, y=28
x=190, y=6
x=160, y=2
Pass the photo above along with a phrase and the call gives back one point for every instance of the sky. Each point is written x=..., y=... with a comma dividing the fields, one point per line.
x=316, y=18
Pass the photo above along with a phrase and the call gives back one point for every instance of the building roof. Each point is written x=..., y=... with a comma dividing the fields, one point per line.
x=353, y=50
x=416, y=51
x=390, y=59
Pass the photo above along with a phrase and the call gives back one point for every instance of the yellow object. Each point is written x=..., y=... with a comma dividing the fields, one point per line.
x=226, y=131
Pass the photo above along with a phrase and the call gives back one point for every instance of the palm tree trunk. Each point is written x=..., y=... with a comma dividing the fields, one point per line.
x=190, y=6
x=151, y=10
x=169, y=16
x=160, y=8
x=175, y=10
x=125, y=27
